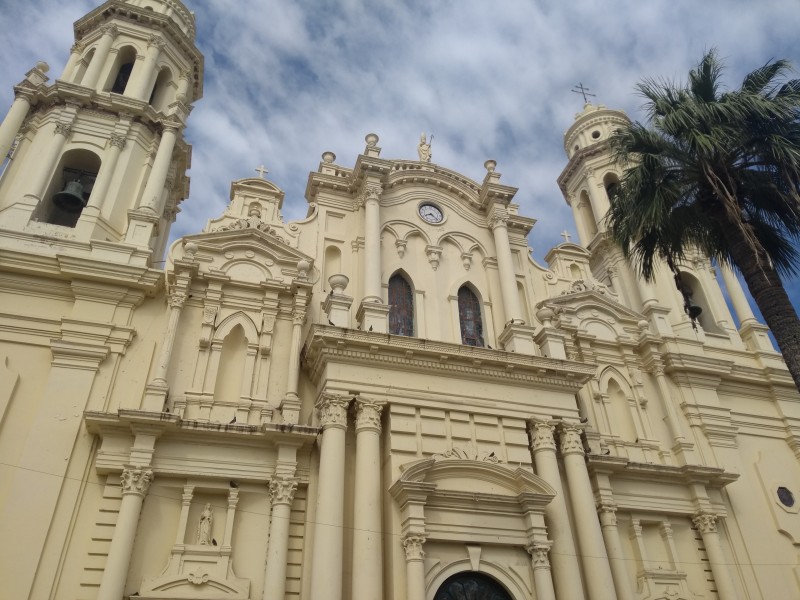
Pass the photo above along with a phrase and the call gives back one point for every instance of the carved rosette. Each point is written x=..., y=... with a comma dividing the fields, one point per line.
x=332, y=411
x=571, y=440
x=413, y=547
x=539, y=552
x=542, y=433
x=282, y=489
x=705, y=522
x=368, y=415
x=136, y=480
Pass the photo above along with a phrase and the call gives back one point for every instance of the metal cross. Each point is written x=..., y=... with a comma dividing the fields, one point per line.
x=261, y=171
x=565, y=234
x=584, y=91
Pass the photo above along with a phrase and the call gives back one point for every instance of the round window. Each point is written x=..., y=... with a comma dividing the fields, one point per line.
x=786, y=497
x=595, y=135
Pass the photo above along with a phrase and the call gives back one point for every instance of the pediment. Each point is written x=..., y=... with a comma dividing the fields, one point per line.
x=470, y=476
x=594, y=312
x=246, y=254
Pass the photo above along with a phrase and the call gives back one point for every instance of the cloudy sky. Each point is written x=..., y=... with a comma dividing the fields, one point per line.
x=287, y=80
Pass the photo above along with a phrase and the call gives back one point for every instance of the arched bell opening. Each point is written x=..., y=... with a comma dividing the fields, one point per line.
x=163, y=90
x=695, y=303
x=121, y=70
x=69, y=189
x=471, y=585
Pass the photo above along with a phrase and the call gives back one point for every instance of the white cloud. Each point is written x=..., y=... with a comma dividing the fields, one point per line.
x=286, y=81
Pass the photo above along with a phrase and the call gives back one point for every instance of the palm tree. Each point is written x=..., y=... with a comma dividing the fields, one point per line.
x=717, y=171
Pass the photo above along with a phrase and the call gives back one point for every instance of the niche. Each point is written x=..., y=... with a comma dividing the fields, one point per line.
x=163, y=90
x=621, y=408
x=228, y=385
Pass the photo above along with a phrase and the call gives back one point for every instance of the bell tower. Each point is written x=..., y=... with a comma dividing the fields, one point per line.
x=97, y=157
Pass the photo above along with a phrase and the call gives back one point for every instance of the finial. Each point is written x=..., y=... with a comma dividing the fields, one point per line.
x=43, y=66
x=490, y=165
x=261, y=171
x=371, y=139
x=328, y=157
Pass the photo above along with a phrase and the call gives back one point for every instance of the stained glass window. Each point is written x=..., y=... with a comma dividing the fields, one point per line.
x=401, y=302
x=469, y=314
x=471, y=586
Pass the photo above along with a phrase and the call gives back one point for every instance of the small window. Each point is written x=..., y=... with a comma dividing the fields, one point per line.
x=469, y=315
x=786, y=497
x=401, y=303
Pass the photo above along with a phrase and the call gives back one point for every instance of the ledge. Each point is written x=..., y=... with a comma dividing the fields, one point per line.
x=712, y=477
x=326, y=344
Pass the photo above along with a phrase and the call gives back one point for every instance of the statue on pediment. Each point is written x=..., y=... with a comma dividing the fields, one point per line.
x=424, y=148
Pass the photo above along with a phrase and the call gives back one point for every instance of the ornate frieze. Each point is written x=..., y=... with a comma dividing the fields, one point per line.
x=468, y=452
x=413, y=547
x=136, y=480
x=251, y=222
x=332, y=410
x=282, y=489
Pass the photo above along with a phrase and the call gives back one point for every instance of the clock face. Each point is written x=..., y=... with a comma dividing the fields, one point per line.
x=431, y=213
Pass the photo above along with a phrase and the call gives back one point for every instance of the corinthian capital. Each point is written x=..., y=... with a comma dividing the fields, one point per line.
x=499, y=218
x=177, y=299
x=539, y=552
x=136, y=480
x=332, y=411
x=117, y=140
x=110, y=30
x=542, y=435
x=156, y=41
x=368, y=415
x=413, y=546
x=705, y=522
x=282, y=489
x=571, y=439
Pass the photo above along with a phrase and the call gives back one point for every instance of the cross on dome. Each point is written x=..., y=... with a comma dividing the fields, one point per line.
x=565, y=234
x=261, y=171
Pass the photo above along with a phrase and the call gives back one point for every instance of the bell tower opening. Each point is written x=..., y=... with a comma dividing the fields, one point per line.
x=121, y=71
x=69, y=189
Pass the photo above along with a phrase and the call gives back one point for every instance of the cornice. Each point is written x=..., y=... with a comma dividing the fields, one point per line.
x=577, y=161
x=711, y=477
x=325, y=344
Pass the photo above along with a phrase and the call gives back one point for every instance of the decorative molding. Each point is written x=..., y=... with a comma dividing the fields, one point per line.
x=117, y=140
x=332, y=410
x=368, y=415
x=64, y=129
x=434, y=254
x=251, y=222
x=539, y=554
x=468, y=452
x=282, y=489
x=156, y=41
x=413, y=546
x=177, y=299
x=705, y=522
x=571, y=442
x=136, y=480
x=110, y=29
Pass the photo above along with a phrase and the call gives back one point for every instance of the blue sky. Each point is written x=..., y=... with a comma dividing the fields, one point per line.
x=286, y=81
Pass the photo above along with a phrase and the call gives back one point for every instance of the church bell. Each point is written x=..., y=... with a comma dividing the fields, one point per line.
x=71, y=199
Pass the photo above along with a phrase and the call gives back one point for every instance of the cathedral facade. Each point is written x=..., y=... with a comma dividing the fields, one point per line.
x=388, y=399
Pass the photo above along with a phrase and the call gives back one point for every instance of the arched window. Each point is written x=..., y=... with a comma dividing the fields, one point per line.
x=401, y=306
x=69, y=189
x=121, y=71
x=471, y=586
x=469, y=315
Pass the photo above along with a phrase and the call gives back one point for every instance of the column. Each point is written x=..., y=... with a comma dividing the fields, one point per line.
x=415, y=567
x=144, y=76
x=542, y=579
x=706, y=524
x=598, y=198
x=107, y=170
x=281, y=491
x=74, y=57
x=184, y=82
x=186, y=504
x=505, y=265
x=100, y=56
x=290, y=406
x=227, y=536
x=608, y=524
x=176, y=302
x=372, y=244
x=151, y=198
x=326, y=559
x=566, y=568
x=740, y=304
x=583, y=235
x=49, y=160
x=135, y=482
x=13, y=121
x=367, y=583
x=590, y=538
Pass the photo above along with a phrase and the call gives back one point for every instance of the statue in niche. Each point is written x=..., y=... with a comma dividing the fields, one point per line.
x=204, y=527
x=424, y=149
